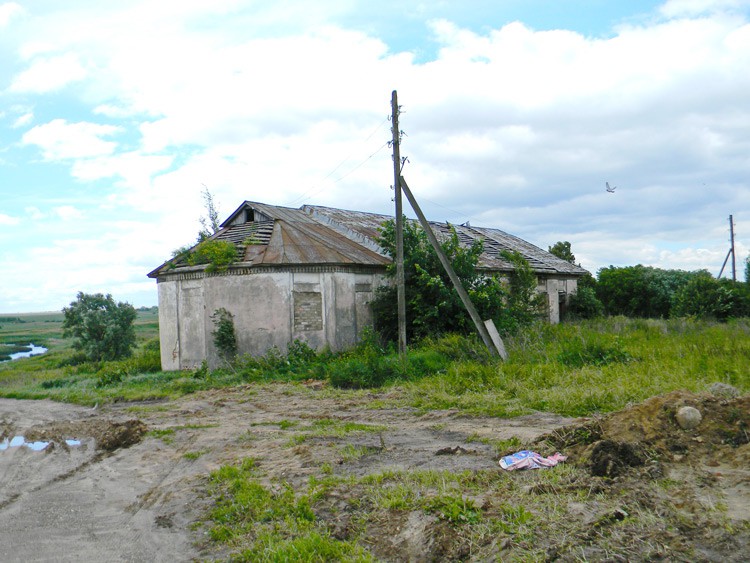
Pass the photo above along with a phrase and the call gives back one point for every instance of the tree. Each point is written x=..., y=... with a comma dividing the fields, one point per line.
x=703, y=297
x=562, y=250
x=433, y=306
x=210, y=222
x=640, y=291
x=102, y=328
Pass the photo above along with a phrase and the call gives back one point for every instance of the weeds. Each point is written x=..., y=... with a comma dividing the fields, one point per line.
x=573, y=369
x=277, y=523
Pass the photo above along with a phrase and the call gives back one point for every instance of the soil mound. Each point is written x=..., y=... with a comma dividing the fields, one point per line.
x=650, y=433
x=108, y=435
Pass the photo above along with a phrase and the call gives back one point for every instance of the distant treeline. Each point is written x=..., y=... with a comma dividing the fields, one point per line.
x=11, y=320
x=647, y=292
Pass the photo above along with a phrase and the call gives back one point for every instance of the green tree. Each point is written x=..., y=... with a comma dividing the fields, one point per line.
x=562, y=250
x=102, y=328
x=210, y=221
x=703, y=297
x=433, y=306
x=639, y=291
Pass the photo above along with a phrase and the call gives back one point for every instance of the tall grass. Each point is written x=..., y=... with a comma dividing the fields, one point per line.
x=572, y=369
x=592, y=366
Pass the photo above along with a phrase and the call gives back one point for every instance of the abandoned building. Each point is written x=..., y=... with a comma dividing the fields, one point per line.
x=308, y=274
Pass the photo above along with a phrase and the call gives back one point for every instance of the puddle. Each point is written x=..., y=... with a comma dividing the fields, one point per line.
x=19, y=441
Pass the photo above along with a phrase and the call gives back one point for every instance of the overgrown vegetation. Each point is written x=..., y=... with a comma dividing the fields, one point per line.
x=433, y=307
x=217, y=254
x=646, y=292
x=574, y=368
x=578, y=369
x=224, y=335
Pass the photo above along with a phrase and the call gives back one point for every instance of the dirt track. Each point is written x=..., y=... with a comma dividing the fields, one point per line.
x=122, y=495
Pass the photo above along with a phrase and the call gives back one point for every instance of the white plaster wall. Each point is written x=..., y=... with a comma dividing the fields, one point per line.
x=553, y=300
x=168, y=335
x=191, y=323
x=261, y=306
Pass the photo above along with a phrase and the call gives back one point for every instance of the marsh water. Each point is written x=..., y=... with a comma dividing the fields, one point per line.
x=33, y=350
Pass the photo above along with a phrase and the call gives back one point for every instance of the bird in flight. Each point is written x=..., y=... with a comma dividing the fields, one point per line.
x=610, y=190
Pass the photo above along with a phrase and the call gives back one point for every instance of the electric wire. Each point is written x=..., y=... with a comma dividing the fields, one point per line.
x=315, y=189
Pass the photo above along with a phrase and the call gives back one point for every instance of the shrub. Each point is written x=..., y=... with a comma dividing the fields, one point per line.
x=705, y=297
x=224, y=335
x=218, y=254
x=584, y=304
x=640, y=291
x=433, y=306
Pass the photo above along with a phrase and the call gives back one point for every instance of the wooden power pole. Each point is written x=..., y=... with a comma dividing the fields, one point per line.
x=400, y=284
x=731, y=239
x=731, y=252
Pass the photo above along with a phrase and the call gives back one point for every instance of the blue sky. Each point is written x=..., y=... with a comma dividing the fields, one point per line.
x=114, y=116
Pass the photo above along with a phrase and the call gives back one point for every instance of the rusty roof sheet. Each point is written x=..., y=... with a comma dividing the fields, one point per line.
x=324, y=235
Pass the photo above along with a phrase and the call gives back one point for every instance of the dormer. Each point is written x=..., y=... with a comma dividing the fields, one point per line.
x=248, y=212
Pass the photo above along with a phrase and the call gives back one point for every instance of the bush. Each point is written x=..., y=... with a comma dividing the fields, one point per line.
x=640, y=291
x=433, y=307
x=584, y=304
x=705, y=297
x=102, y=328
x=224, y=335
x=218, y=254
x=148, y=360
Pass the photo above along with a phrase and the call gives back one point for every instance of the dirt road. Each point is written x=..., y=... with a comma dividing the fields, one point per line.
x=124, y=482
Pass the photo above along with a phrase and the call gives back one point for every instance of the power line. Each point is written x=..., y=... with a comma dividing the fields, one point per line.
x=313, y=190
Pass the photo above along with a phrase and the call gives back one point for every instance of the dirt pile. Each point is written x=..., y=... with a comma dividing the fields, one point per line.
x=649, y=433
x=108, y=435
x=671, y=492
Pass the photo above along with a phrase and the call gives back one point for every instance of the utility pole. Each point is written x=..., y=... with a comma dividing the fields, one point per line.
x=731, y=252
x=487, y=330
x=400, y=285
x=731, y=239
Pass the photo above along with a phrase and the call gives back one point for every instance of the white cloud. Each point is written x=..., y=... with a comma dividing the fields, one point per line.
x=508, y=127
x=23, y=120
x=8, y=220
x=8, y=11
x=68, y=213
x=34, y=213
x=49, y=74
x=60, y=140
x=135, y=169
x=687, y=8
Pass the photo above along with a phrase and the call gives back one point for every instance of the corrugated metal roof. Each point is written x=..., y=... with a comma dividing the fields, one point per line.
x=495, y=241
x=316, y=235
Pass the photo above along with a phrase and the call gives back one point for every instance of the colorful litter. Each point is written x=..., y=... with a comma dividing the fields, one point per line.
x=526, y=459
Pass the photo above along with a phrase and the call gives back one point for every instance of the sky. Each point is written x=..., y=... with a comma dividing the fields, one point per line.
x=115, y=117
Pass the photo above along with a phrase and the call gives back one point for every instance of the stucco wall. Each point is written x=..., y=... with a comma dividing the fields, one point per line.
x=327, y=308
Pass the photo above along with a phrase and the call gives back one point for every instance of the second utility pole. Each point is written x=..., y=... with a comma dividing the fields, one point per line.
x=400, y=285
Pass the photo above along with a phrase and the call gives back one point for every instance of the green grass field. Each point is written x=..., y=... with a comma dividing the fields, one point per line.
x=575, y=369
x=572, y=369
